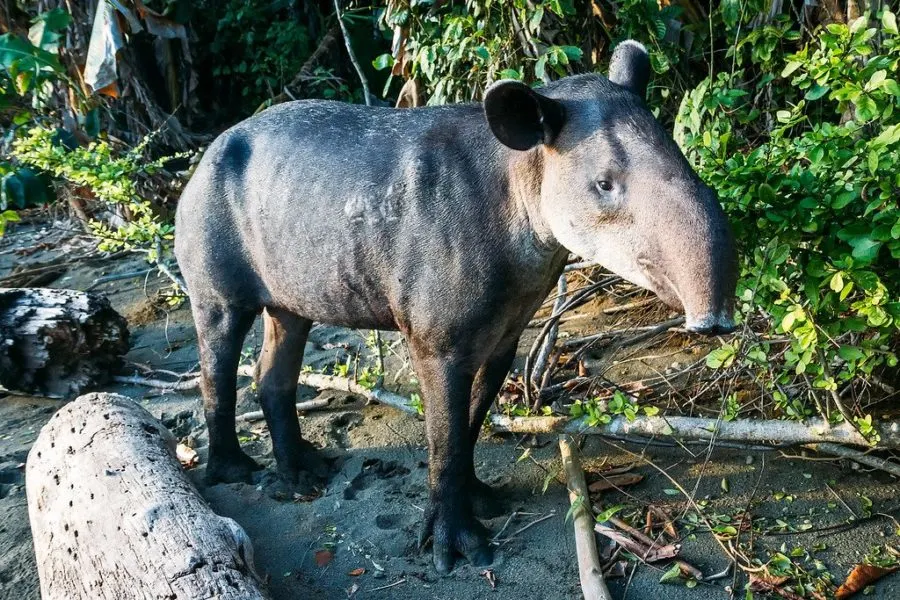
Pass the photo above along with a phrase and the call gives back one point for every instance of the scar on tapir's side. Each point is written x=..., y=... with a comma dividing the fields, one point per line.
x=450, y=224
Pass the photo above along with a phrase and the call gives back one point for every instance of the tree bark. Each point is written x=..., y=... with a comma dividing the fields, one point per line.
x=114, y=517
x=57, y=343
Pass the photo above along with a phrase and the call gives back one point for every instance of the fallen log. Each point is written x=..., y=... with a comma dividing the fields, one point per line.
x=775, y=431
x=56, y=343
x=114, y=517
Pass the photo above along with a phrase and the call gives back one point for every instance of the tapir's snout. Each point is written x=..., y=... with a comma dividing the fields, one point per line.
x=711, y=324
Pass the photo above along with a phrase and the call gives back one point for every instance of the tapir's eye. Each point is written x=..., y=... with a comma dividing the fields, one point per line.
x=604, y=185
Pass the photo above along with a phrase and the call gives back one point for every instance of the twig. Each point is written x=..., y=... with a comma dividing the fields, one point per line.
x=540, y=363
x=858, y=457
x=353, y=59
x=390, y=585
x=524, y=528
x=619, y=308
x=589, y=569
x=577, y=299
x=117, y=277
x=257, y=415
x=169, y=386
x=580, y=265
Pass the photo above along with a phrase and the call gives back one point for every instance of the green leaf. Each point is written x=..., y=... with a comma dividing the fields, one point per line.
x=851, y=353
x=791, y=67
x=721, y=357
x=837, y=282
x=671, y=492
x=866, y=109
x=534, y=23
x=577, y=503
x=609, y=512
x=865, y=248
x=816, y=92
x=572, y=52
x=672, y=575
x=889, y=22
x=383, y=61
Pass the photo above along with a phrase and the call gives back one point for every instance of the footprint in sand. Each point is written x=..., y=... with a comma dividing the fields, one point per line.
x=374, y=469
x=11, y=475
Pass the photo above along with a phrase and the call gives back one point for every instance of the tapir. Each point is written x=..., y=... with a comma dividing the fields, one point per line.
x=449, y=224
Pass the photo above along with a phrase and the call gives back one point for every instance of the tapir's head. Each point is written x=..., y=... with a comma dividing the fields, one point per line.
x=612, y=186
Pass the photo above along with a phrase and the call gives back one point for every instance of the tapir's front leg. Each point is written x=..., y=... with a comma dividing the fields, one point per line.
x=449, y=521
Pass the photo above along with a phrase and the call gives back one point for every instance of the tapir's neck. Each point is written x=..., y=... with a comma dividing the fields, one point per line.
x=525, y=171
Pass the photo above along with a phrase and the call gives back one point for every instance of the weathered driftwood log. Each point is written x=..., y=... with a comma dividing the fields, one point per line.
x=57, y=343
x=114, y=517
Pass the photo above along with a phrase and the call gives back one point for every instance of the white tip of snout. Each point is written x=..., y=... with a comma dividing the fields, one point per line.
x=710, y=324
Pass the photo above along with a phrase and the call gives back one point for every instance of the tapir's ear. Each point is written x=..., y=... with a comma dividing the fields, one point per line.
x=630, y=67
x=520, y=117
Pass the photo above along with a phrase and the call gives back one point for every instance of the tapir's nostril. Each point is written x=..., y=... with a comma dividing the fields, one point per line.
x=711, y=325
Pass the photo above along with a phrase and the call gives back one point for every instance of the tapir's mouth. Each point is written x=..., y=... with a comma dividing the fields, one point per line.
x=714, y=322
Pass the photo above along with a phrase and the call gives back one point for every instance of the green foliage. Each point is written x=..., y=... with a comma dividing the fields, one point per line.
x=27, y=67
x=256, y=49
x=810, y=182
x=27, y=64
x=601, y=412
x=458, y=50
x=111, y=177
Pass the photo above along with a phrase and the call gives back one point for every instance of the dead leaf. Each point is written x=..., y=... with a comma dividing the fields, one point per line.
x=351, y=591
x=323, y=557
x=316, y=493
x=637, y=548
x=615, y=481
x=664, y=516
x=492, y=579
x=356, y=572
x=582, y=369
x=861, y=577
x=187, y=456
x=772, y=584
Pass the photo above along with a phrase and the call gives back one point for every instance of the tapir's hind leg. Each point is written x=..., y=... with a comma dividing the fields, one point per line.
x=276, y=374
x=220, y=332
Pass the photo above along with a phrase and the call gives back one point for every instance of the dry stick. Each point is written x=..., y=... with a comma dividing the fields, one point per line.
x=612, y=310
x=580, y=265
x=166, y=386
x=258, y=415
x=353, y=59
x=577, y=299
x=858, y=457
x=589, y=569
x=540, y=363
x=117, y=277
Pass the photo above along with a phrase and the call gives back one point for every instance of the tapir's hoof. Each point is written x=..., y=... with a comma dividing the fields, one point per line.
x=301, y=461
x=232, y=468
x=453, y=534
x=487, y=503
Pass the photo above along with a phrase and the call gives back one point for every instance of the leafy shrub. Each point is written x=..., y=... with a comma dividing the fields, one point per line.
x=810, y=182
x=111, y=178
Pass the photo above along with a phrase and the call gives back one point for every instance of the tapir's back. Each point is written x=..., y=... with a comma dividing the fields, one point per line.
x=326, y=208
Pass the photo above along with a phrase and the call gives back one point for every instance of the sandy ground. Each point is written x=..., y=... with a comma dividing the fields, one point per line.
x=368, y=515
